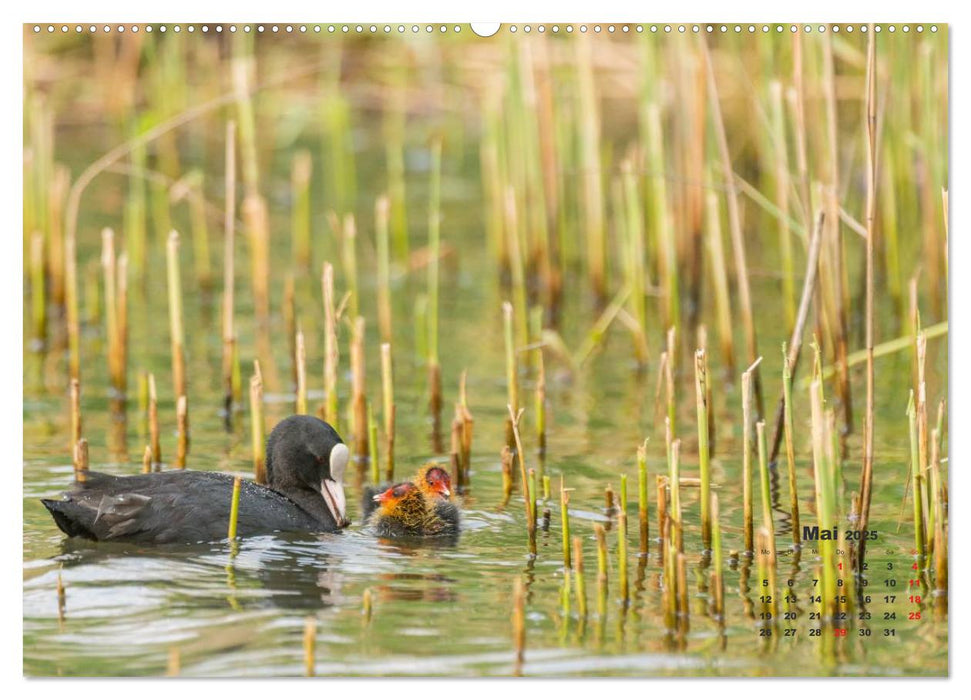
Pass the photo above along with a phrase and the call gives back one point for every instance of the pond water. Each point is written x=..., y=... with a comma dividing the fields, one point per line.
x=437, y=610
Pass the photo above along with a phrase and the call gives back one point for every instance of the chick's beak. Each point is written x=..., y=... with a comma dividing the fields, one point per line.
x=333, y=493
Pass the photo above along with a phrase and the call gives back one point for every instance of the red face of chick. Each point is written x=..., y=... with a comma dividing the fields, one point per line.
x=439, y=481
x=395, y=493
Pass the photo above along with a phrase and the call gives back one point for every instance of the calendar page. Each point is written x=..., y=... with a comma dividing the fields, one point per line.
x=475, y=350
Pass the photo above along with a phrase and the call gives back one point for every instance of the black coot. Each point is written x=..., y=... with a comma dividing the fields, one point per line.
x=305, y=462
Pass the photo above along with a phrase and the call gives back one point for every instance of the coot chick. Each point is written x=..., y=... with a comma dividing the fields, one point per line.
x=432, y=480
x=404, y=512
x=305, y=462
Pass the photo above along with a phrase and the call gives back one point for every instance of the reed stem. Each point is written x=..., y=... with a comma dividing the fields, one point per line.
x=258, y=427
x=388, y=405
x=622, y=540
x=175, y=315
x=527, y=496
x=301, y=362
x=153, y=428
x=331, y=351
x=642, y=499
x=701, y=400
x=565, y=524
x=358, y=397
x=229, y=272
x=579, y=586
x=234, y=508
x=182, y=428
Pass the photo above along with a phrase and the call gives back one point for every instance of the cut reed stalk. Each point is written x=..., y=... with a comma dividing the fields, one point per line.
x=578, y=577
x=388, y=406
x=176, y=332
x=182, y=431
x=519, y=624
x=546, y=487
x=258, y=427
x=310, y=647
x=717, y=578
x=301, y=168
x=331, y=350
x=674, y=486
x=229, y=271
x=825, y=496
x=234, y=509
x=464, y=415
x=81, y=462
x=622, y=540
x=602, y=578
x=642, y=499
x=747, y=446
x=153, y=427
x=147, y=460
x=358, y=394
x=764, y=481
x=701, y=401
x=381, y=213
x=300, y=360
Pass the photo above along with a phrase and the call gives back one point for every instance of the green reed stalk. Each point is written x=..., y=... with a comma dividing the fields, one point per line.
x=147, y=460
x=622, y=540
x=258, y=427
x=674, y=485
x=546, y=487
x=660, y=491
x=153, y=429
x=916, y=480
x=301, y=168
x=331, y=351
x=578, y=577
x=602, y=578
x=642, y=498
x=533, y=491
x=175, y=315
x=234, y=508
x=565, y=523
x=358, y=393
x=381, y=214
x=764, y=479
x=372, y=431
x=719, y=272
x=388, y=408
x=669, y=371
x=701, y=400
x=300, y=360
x=790, y=446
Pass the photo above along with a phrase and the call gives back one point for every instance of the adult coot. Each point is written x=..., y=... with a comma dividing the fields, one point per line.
x=305, y=462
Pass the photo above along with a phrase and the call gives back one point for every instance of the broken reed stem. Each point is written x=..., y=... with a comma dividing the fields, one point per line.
x=229, y=268
x=388, y=408
x=381, y=214
x=310, y=646
x=674, y=485
x=764, y=480
x=258, y=428
x=916, y=480
x=512, y=386
x=735, y=226
x=81, y=462
x=747, y=422
x=527, y=497
x=701, y=400
x=519, y=623
x=601, y=536
x=147, y=460
x=113, y=313
x=358, y=398
x=182, y=429
x=331, y=351
x=578, y=577
x=642, y=498
x=622, y=540
x=565, y=524
x=661, y=491
x=153, y=428
x=301, y=362
x=790, y=446
x=175, y=315
x=234, y=508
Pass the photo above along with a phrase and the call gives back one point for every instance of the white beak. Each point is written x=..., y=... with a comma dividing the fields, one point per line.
x=333, y=494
